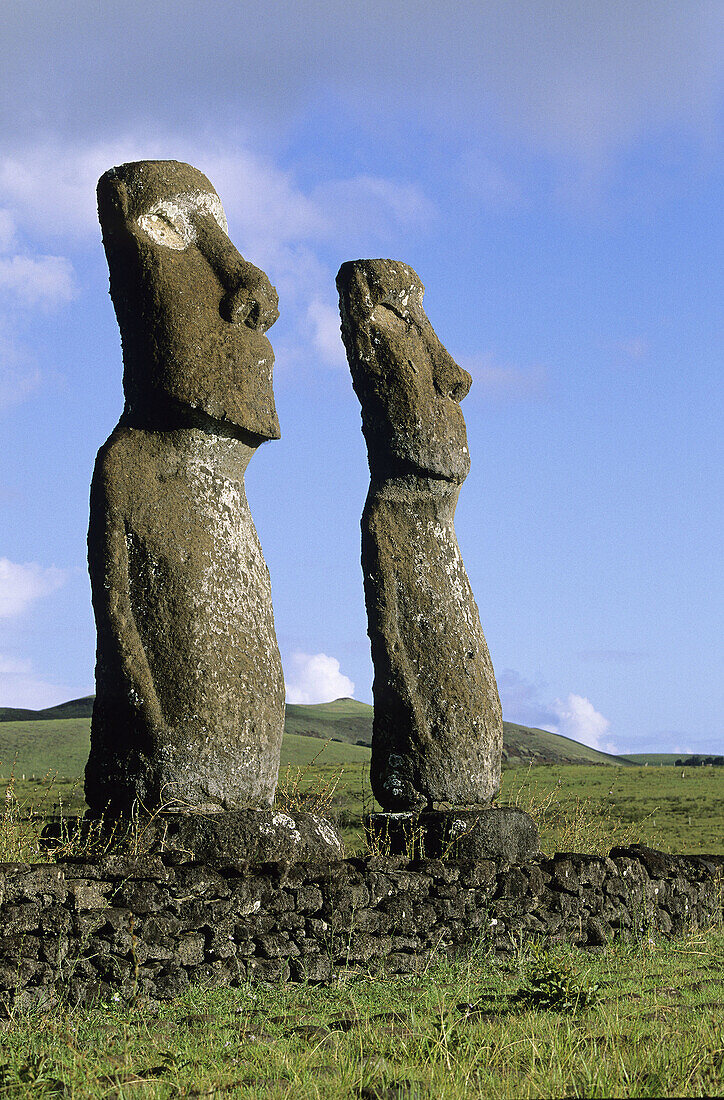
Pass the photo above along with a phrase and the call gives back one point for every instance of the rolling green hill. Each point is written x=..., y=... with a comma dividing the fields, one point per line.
x=342, y=720
x=61, y=745
x=74, y=708
x=528, y=745
x=57, y=739
x=350, y=720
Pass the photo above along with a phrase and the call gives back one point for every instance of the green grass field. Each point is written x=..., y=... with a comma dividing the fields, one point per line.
x=574, y=798
x=47, y=743
x=655, y=1026
x=459, y=1030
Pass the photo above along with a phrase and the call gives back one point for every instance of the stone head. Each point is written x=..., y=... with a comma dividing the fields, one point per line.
x=409, y=387
x=193, y=312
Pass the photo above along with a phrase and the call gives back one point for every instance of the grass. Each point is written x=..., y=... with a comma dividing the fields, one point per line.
x=635, y=1019
x=58, y=745
x=577, y=808
x=656, y=1028
x=590, y=809
x=59, y=738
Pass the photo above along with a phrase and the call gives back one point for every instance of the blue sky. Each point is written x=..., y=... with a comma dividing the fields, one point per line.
x=554, y=174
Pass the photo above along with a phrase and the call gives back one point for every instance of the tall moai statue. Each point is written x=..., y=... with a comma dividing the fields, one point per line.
x=189, y=686
x=437, y=734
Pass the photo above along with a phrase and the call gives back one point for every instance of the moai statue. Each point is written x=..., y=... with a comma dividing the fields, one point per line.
x=437, y=734
x=189, y=687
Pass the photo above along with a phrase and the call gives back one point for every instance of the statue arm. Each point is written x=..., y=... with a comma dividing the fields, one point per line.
x=120, y=648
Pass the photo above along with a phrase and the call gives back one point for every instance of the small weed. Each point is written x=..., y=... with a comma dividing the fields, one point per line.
x=580, y=824
x=554, y=984
x=306, y=789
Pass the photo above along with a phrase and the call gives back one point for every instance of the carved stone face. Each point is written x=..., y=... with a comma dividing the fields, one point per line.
x=409, y=387
x=192, y=311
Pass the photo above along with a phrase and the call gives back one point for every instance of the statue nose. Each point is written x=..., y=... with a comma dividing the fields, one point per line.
x=250, y=298
x=450, y=379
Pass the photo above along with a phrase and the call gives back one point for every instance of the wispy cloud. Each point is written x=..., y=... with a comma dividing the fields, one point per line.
x=44, y=281
x=492, y=184
x=316, y=678
x=22, y=585
x=49, y=187
x=326, y=337
x=7, y=231
x=577, y=80
x=48, y=190
x=371, y=206
x=505, y=382
x=21, y=686
x=636, y=348
x=20, y=375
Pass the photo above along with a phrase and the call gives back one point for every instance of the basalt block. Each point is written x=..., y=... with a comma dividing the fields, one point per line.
x=438, y=731
x=250, y=835
x=189, y=704
x=501, y=833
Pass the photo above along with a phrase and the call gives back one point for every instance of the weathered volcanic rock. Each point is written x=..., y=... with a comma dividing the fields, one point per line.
x=256, y=836
x=437, y=734
x=189, y=687
x=502, y=833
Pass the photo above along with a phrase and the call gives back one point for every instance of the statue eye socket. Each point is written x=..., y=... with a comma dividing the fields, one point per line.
x=163, y=232
x=170, y=222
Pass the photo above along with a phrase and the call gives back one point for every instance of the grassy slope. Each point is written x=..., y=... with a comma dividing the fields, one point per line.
x=350, y=720
x=668, y=811
x=56, y=740
x=343, y=720
x=648, y=758
x=36, y=748
x=62, y=746
x=74, y=708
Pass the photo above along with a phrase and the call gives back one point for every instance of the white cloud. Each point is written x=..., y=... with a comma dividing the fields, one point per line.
x=46, y=281
x=16, y=385
x=504, y=382
x=316, y=678
x=489, y=181
x=50, y=189
x=19, y=373
x=326, y=337
x=578, y=79
x=575, y=717
x=20, y=686
x=277, y=223
x=612, y=656
x=371, y=207
x=21, y=585
x=522, y=702
x=7, y=231
x=579, y=720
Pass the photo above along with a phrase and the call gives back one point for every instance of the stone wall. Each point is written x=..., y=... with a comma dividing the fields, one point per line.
x=147, y=926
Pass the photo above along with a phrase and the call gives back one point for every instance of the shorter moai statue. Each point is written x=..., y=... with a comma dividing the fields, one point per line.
x=189, y=702
x=437, y=734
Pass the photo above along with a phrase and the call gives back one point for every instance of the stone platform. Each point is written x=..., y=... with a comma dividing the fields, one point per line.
x=248, y=835
x=500, y=833
x=145, y=927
